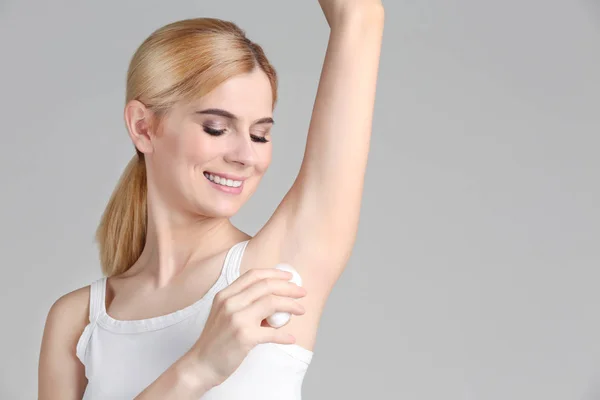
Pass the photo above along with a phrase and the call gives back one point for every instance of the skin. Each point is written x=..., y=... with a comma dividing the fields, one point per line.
x=313, y=228
x=188, y=217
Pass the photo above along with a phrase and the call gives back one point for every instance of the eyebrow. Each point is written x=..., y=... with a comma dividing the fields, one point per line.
x=228, y=115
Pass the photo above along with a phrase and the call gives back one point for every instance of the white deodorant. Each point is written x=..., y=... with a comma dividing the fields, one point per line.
x=281, y=318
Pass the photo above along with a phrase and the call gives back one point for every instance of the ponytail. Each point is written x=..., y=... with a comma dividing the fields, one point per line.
x=121, y=234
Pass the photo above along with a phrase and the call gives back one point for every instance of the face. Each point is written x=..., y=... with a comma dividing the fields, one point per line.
x=212, y=153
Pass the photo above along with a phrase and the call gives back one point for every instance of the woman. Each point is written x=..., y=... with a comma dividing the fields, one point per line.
x=180, y=314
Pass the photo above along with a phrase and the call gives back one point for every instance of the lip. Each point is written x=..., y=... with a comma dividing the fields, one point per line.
x=227, y=176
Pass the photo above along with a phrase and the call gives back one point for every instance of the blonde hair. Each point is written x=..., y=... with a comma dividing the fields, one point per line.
x=178, y=62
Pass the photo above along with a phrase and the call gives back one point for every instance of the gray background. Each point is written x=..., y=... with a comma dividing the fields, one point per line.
x=475, y=272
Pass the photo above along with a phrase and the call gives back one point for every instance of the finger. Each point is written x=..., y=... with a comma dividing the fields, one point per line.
x=270, y=304
x=250, y=277
x=273, y=335
x=262, y=288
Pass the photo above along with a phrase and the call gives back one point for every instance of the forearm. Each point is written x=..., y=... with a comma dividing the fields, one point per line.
x=185, y=379
x=340, y=126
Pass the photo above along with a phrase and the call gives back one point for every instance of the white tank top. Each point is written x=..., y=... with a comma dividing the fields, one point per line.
x=122, y=358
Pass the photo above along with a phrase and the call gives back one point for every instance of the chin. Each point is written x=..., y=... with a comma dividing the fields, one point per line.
x=215, y=204
x=222, y=210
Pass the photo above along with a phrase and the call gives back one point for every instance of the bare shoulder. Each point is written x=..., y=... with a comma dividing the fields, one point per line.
x=70, y=312
x=79, y=296
x=60, y=373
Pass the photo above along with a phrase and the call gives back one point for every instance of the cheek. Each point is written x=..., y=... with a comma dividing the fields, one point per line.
x=198, y=148
x=265, y=158
x=167, y=155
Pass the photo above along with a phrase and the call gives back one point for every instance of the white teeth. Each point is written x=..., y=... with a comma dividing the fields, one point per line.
x=223, y=181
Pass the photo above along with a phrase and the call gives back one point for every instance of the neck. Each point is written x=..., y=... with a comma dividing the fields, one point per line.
x=174, y=239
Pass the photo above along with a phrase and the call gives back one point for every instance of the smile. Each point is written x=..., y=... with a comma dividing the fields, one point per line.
x=219, y=180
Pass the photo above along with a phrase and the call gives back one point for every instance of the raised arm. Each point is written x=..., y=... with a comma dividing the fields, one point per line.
x=315, y=225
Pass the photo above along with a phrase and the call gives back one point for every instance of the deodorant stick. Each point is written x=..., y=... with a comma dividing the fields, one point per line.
x=280, y=318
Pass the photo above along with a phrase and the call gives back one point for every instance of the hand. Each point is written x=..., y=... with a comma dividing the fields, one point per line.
x=236, y=320
x=336, y=10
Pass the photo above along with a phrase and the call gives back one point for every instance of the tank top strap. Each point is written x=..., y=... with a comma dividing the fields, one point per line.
x=233, y=260
x=97, y=298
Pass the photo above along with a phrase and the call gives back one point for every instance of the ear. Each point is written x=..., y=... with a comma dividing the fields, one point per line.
x=138, y=119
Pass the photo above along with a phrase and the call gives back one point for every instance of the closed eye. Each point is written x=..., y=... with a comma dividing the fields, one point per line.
x=259, y=139
x=213, y=131
x=219, y=132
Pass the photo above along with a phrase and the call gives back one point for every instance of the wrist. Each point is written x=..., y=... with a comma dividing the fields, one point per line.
x=370, y=15
x=194, y=375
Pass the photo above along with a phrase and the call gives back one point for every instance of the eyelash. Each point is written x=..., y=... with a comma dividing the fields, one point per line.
x=219, y=132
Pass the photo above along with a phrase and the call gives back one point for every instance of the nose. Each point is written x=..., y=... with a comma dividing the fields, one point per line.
x=242, y=151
